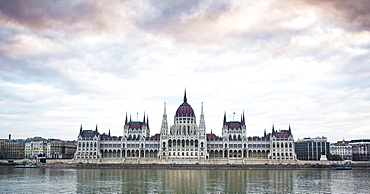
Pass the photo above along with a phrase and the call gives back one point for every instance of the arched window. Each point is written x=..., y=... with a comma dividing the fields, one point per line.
x=95, y=144
x=201, y=144
x=229, y=137
x=184, y=130
x=164, y=144
x=234, y=137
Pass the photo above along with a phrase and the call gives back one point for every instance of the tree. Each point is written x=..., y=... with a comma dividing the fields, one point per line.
x=334, y=157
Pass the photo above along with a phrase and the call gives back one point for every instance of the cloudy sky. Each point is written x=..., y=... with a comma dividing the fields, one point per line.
x=298, y=62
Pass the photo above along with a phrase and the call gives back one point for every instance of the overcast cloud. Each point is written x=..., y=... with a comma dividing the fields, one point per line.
x=67, y=63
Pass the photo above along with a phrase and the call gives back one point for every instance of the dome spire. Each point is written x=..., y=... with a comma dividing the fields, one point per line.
x=185, y=99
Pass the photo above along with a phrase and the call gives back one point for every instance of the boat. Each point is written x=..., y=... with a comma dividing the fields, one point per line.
x=26, y=166
x=339, y=167
x=343, y=168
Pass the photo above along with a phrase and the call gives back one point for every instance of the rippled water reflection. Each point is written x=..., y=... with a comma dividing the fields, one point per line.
x=51, y=180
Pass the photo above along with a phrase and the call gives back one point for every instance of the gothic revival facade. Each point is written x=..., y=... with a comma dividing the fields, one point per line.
x=184, y=140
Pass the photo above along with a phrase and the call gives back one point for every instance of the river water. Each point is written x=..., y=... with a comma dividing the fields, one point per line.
x=71, y=180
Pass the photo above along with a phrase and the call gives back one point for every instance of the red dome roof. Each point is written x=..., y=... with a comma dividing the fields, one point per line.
x=185, y=109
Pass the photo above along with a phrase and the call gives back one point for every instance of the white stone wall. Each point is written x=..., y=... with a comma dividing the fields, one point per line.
x=88, y=148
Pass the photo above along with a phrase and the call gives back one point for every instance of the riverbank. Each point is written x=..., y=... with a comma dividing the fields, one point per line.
x=253, y=165
x=192, y=166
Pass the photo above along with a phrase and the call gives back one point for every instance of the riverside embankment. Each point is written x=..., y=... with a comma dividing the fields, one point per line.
x=298, y=165
x=198, y=166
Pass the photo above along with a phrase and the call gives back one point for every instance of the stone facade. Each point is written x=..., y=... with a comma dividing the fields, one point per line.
x=37, y=147
x=185, y=140
x=12, y=149
x=342, y=148
x=360, y=149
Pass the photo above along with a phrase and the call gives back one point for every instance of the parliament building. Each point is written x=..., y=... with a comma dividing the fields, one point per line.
x=184, y=142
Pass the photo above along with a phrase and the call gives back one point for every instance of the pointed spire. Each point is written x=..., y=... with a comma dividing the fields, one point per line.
x=96, y=128
x=109, y=133
x=164, y=127
x=273, y=130
x=164, y=108
x=243, y=119
x=185, y=99
x=126, y=119
x=201, y=112
x=147, y=121
x=144, y=117
x=211, y=131
x=81, y=129
x=202, y=122
x=130, y=118
x=290, y=130
x=264, y=133
x=225, y=118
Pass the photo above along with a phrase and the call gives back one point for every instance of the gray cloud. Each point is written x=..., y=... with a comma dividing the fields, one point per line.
x=66, y=63
x=354, y=15
x=38, y=14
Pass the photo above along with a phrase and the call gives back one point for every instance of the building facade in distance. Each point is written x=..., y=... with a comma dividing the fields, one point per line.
x=49, y=148
x=184, y=140
x=360, y=149
x=342, y=148
x=312, y=148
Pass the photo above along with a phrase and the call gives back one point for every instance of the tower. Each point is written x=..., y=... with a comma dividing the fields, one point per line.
x=202, y=123
x=163, y=151
x=164, y=127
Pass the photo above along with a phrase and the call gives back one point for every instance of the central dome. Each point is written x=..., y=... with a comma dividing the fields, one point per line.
x=185, y=109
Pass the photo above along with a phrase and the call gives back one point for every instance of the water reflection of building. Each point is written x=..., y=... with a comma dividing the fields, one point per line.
x=184, y=140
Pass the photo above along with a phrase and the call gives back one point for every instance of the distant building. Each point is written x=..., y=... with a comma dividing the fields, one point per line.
x=360, y=149
x=15, y=148
x=2, y=149
x=312, y=148
x=37, y=147
x=184, y=140
x=12, y=149
x=61, y=149
x=342, y=148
